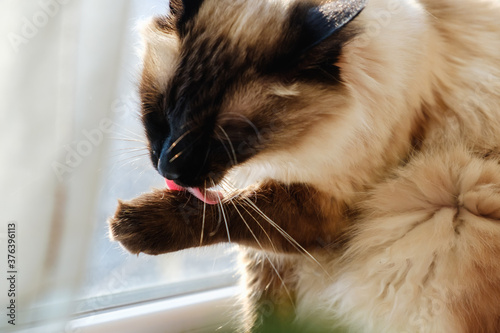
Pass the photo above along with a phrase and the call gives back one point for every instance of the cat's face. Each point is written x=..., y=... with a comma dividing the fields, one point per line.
x=228, y=81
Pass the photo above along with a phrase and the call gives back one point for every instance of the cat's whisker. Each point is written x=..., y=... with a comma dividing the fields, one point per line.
x=127, y=139
x=194, y=141
x=176, y=157
x=129, y=154
x=230, y=144
x=219, y=222
x=204, y=215
x=248, y=121
x=132, y=149
x=134, y=169
x=231, y=187
x=138, y=136
x=179, y=139
x=223, y=213
x=226, y=149
x=264, y=230
x=287, y=291
x=130, y=159
x=144, y=170
x=290, y=239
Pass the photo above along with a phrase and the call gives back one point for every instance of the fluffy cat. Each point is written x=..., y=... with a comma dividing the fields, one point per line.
x=362, y=138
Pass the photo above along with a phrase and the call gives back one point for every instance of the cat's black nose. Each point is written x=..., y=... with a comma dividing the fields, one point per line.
x=167, y=169
x=183, y=160
x=170, y=175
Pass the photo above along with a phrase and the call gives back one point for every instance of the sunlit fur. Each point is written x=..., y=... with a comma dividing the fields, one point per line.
x=410, y=140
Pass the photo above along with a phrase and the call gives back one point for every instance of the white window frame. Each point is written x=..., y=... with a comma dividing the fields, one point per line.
x=201, y=312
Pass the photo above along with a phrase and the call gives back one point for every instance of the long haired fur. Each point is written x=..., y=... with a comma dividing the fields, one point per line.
x=368, y=165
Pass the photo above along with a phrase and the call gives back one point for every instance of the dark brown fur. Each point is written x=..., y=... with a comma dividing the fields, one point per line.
x=396, y=150
x=164, y=221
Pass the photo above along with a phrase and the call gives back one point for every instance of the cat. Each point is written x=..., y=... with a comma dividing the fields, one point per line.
x=357, y=147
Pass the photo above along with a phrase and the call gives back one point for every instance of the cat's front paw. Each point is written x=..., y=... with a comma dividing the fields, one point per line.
x=158, y=222
x=131, y=228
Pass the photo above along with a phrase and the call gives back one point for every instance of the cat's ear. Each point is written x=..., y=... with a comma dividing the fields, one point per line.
x=321, y=22
x=184, y=11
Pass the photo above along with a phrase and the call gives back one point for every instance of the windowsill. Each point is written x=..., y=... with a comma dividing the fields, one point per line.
x=108, y=302
x=200, y=312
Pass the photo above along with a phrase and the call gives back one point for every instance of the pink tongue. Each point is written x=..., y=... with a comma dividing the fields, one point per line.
x=171, y=185
x=208, y=197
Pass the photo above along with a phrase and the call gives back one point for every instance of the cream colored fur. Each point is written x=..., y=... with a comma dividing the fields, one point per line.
x=429, y=240
x=380, y=67
x=425, y=256
x=161, y=52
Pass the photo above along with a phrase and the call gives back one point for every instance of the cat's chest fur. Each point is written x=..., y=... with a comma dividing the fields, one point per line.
x=363, y=137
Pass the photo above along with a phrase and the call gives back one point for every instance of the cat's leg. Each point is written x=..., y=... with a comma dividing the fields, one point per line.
x=269, y=296
x=271, y=216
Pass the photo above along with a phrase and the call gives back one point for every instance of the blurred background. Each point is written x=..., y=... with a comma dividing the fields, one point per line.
x=71, y=144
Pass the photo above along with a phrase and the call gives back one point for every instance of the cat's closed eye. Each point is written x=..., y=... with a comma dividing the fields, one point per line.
x=224, y=90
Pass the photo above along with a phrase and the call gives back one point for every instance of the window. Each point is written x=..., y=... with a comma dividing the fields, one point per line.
x=70, y=67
